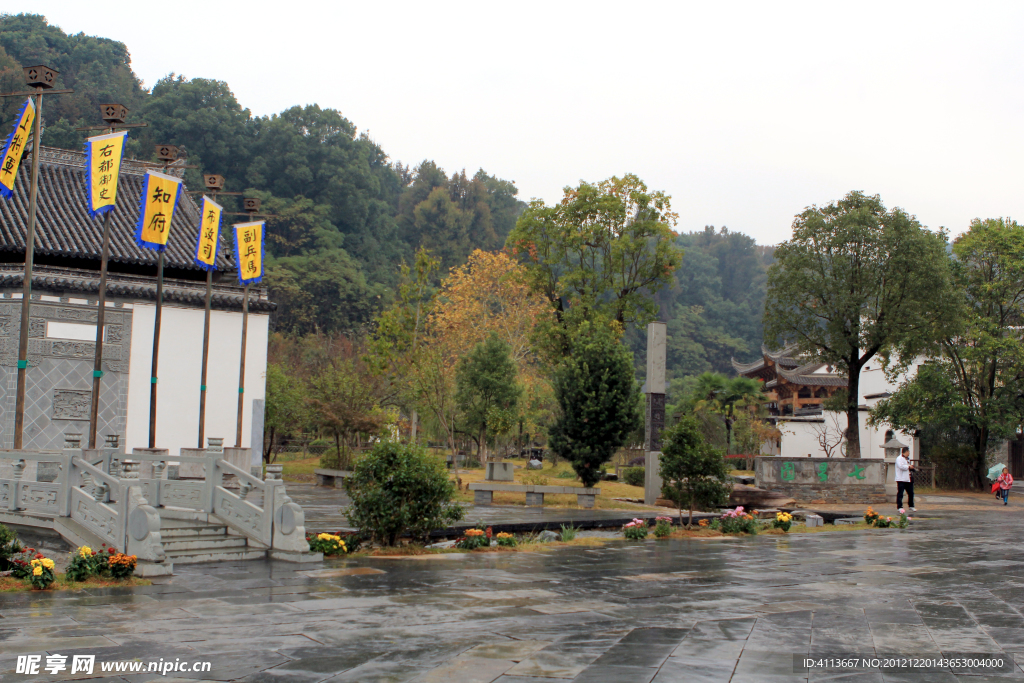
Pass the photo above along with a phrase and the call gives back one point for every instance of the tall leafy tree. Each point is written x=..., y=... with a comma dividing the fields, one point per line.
x=694, y=474
x=488, y=389
x=854, y=281
x=974, y=383
x=286, y=409
x=598, y=399
x=603, y=250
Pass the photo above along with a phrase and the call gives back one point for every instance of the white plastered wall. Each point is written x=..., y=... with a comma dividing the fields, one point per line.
x=181, y=354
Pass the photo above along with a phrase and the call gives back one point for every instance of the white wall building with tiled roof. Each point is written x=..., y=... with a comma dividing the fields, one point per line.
x=796, y=392
x=62, y=330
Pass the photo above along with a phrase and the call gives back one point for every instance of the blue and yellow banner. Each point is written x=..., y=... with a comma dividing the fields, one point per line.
x=102, y=166
x=249, y=251
x=10, y=160
x=208, y=240
x=156, y=211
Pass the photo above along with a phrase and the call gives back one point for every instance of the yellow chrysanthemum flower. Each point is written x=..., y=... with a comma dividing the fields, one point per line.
x=48, y=563
x=85, y=551
x=38, y=571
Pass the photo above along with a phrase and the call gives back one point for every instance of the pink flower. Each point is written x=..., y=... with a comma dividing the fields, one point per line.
x=901, y=511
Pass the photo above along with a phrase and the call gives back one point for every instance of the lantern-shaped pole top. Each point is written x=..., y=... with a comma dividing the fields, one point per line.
x=40, y=76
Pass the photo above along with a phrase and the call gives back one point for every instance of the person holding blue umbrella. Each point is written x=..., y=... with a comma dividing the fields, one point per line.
x=1004, y=482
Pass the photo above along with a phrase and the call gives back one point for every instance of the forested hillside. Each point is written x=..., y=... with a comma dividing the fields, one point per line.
x=347, y=214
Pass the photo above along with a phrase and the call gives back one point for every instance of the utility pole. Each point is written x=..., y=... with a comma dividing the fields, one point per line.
x=114, y=116
x=42, y=79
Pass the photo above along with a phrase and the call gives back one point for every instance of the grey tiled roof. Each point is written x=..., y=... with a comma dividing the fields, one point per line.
x=63, y=225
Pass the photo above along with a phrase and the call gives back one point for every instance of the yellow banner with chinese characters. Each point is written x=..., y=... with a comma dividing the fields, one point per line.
x=159, y=197
x=208, y=239
x=102, y=165
x=249, y=251
x=10, y=160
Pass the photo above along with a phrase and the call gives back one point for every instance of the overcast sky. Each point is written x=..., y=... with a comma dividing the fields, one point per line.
x=744, y=112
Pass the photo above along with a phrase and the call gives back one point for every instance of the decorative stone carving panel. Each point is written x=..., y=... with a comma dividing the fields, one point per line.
x=39, y=497
x=238, y=513
x=96, y=517
x=182, y=494
x=71, y=404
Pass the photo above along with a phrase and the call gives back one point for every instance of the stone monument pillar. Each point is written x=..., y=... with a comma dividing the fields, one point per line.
x=654, y=420
x=256, y=463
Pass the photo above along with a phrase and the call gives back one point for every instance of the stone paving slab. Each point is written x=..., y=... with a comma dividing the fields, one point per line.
x=652, y=611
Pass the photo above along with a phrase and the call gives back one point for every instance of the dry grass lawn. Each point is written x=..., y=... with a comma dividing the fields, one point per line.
x=9, y=584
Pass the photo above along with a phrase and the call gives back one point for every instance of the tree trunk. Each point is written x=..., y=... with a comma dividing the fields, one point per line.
x=482, y=446
x=269, y=450
x=412, y=427
x=852, y=412
x=981, y=450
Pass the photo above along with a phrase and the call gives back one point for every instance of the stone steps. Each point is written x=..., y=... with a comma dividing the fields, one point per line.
x=225, y=555
x=189, y=532
x=189, y=539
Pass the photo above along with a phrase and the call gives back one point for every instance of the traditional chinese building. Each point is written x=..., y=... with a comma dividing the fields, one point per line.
x=797, y=388
x=791, y=384
x=62, y=330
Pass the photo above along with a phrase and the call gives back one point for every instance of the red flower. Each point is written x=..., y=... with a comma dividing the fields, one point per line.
x=489, y=532
x=93, y=552
x=111, y=551
x=39, y=556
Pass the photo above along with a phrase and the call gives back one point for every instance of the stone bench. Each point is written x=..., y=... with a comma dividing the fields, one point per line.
x=483, y=493
x=332, y=478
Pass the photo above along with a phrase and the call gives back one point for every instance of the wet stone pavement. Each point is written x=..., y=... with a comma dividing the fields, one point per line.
x=628, y=612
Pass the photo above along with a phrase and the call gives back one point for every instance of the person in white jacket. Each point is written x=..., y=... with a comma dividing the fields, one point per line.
x=903, y=482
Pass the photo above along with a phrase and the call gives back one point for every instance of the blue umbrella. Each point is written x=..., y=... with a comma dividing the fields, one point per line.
x=995, y=471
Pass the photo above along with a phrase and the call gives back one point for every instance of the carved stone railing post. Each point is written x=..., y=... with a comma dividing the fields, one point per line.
x=18, y=469
x=101, y=492
x=158, y=469
x=243, y=489
x=143, y=531
x=289, y=536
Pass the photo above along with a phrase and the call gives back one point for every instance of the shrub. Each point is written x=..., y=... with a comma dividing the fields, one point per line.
x=328, y=544
x=636, y=530
x=870, y=516
x=694, y=473
x=400, y=489
x=505, y=539
x=83, y=565
x=634, y=476
x=783, y=520
x=662, y=527
x=9, y=547
x=122, y=566
x=884, y=522
x=473, y=539
x=738, y=522
x=42, y=574
x=568, y=533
